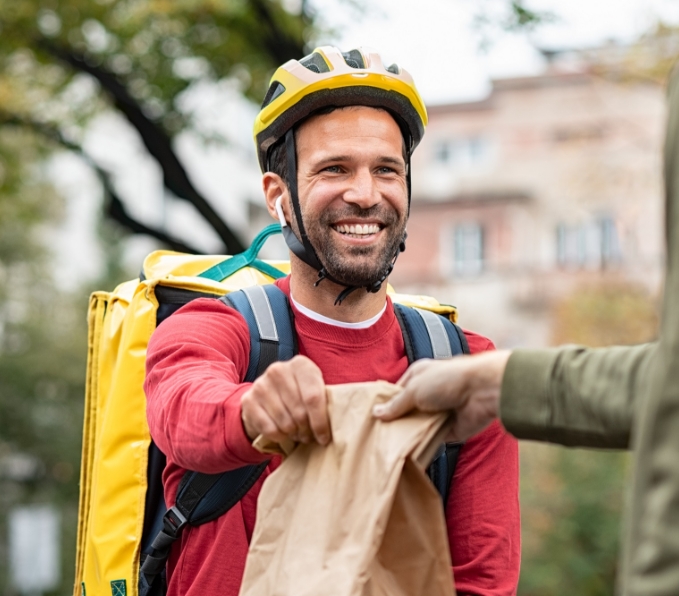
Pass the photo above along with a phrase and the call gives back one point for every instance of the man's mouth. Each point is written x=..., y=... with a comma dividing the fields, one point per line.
x=357, y=230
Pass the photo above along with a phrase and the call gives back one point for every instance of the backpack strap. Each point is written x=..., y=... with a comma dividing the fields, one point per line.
x=267, y=312
x=442, y=468
x=204, y=497
x=428, y=335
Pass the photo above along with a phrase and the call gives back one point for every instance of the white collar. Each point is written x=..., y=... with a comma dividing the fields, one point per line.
x=328, y=321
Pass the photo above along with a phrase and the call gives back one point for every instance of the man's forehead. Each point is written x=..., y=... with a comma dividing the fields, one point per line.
x=345, y=113
x=341, y=120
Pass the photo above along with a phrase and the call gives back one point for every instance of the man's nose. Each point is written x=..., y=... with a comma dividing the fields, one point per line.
x=362, y=189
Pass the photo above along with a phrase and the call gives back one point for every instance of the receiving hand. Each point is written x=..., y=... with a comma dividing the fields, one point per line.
x=468, y=386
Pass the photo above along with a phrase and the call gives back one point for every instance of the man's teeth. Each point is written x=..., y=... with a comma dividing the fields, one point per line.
x=360, y=230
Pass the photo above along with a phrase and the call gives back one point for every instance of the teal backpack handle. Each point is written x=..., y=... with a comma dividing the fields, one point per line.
x=247, y=258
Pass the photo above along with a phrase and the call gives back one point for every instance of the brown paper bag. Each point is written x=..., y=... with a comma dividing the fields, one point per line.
x=358, y=517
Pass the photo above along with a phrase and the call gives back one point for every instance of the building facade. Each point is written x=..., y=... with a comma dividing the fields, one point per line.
x=550, y=183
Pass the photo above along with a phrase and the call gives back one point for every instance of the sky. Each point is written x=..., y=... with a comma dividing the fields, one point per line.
x=435, y=40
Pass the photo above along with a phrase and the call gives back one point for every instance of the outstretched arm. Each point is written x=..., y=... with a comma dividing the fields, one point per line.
x=201, y=414
x=571, y=395
x=575, y=396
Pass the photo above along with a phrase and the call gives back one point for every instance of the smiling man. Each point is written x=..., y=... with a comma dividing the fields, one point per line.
x=334, y=139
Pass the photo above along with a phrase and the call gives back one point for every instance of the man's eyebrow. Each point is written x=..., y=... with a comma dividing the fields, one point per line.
x=340, y=158
x=393, y=160
x=330, y=158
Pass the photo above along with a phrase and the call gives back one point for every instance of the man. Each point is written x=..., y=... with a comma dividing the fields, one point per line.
x=618, y=397
x=334, y=139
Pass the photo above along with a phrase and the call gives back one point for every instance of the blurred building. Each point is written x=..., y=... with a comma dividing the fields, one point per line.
x=550, y=183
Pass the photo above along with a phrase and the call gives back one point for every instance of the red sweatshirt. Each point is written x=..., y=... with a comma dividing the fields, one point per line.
x=196, y=360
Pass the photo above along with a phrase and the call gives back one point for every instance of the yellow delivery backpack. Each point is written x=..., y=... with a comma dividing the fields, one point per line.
x=116, y=496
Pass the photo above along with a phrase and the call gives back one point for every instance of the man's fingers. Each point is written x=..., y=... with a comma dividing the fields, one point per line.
x=285, y=404
x=318, y=416
x=312, y=391
x=291, y=397
x=258, y=418
x=397, y=406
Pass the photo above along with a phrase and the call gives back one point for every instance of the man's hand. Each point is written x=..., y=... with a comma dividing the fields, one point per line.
x=288, y=401
x=469, y=386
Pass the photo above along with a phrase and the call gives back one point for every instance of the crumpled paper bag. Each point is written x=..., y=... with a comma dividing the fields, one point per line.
x=358, y=517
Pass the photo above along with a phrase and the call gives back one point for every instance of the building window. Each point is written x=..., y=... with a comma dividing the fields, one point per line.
x=462, y=152
x=468, y=249
x=591, y=244
x=443, y=151
x=610, y=241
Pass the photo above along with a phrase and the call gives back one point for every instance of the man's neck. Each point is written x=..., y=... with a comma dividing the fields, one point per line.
x=359, y=306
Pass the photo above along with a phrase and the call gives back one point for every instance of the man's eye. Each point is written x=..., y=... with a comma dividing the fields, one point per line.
x=332, y=169
x=386, y=170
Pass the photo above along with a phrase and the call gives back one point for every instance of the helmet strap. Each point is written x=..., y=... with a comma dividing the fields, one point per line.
x=408, y=185
x=303, y=250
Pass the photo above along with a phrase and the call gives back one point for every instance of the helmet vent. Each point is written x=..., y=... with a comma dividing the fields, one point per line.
x=394, y=68
x=354, y=58
x=315, y=63
x=274, y=91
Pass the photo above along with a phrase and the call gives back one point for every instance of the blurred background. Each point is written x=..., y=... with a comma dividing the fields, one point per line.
x=125, y=126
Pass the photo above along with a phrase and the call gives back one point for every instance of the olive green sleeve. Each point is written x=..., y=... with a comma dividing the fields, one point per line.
x=575, y=396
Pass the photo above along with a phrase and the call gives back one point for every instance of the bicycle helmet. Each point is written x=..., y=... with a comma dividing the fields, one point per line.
x=329, y=77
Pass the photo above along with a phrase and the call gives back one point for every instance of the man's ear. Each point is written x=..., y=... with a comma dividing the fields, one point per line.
x=274, y=187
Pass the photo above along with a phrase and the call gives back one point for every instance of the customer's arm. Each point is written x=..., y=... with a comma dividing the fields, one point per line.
x=574, y=396
x=570, y=395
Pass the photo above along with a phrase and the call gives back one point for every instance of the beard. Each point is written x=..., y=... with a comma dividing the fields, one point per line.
x=358, y=265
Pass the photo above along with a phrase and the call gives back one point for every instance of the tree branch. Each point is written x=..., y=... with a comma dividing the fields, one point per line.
x=280, y=46
x=156, y=141
x=116, y=210
x=114, y=206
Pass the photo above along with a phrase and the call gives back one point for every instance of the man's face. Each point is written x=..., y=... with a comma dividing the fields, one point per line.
x=352, y=191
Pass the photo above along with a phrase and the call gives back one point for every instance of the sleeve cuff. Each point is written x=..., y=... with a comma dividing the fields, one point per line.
x=525, y=405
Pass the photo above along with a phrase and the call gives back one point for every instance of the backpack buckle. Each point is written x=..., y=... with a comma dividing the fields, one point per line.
x=174, y=521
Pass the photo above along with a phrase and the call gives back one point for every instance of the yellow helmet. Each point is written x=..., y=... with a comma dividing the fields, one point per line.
x=329, y=77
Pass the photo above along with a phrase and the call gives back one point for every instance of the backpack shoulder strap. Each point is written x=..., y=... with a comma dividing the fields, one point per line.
x=204, y=497
x=442, y=468
x=267, y=312
x=428, y=335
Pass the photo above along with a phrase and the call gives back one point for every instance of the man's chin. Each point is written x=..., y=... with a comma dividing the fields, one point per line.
x=355, y=265
x=353, y=274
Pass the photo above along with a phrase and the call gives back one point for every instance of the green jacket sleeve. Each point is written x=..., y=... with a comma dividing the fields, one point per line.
x=575, y=396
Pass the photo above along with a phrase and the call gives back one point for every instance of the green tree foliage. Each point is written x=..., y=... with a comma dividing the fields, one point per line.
x=64, y=61
x=572, y=499
x=42, y=372
x=649, y=59
x=494, y=16
x=611, y=313
x=42, y=350
x=26, y=199
x=571, y=505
